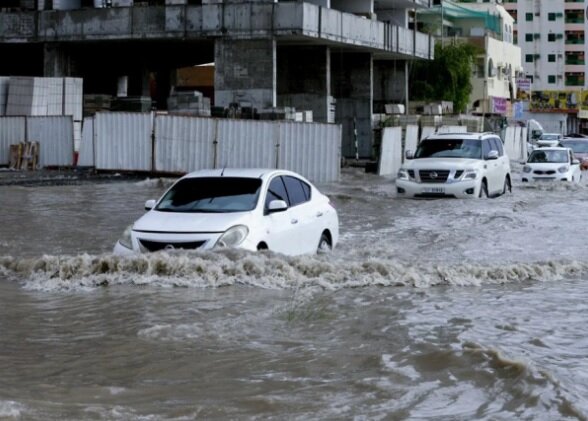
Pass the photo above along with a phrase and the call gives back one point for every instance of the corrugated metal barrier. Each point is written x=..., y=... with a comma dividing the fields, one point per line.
x=54, y=134
x=180, y=144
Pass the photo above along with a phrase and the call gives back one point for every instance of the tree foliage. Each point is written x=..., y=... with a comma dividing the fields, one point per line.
x=446, y=78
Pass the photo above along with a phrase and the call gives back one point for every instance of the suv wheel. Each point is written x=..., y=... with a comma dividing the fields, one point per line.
x=483, y=189
x=507, y=185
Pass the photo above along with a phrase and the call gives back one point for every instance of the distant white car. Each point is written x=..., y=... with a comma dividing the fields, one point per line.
x=552, y=164
x=252, y=209
x=549, y=139
x=459, y=165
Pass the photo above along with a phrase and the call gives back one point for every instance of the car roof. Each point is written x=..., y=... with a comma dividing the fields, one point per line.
x=462, y=135
x=261, y=173
x=552, y=148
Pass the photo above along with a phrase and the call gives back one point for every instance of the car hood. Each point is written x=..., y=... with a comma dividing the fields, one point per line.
x=443, y=163
x=179, y=222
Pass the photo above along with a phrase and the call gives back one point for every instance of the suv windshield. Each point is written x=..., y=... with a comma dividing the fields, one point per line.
x=211, y=194
x=449, y=148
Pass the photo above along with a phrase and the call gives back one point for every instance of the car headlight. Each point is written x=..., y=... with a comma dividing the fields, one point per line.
x=233, y=236
x=125, y=240
x=526, y=168
x=402, y=174
x=470, y=174
x=563, y=168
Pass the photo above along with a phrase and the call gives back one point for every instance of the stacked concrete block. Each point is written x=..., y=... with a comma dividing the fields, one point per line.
x=122, y=3
x=26, y=96
x=96, y=102
x=44, y=96
x=73, y=90
x=189, y=102
x=54, y=95
x=4, y=81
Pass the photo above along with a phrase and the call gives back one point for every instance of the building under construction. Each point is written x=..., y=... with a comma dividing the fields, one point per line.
x=338, y=61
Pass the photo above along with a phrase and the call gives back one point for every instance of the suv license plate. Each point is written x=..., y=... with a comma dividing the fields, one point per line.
x=440, y=190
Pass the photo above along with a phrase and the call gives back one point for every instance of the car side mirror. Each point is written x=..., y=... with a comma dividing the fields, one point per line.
x=493, y=154
x=277, y=206
x=409, y=154
x=150, y=204
x=575, y=161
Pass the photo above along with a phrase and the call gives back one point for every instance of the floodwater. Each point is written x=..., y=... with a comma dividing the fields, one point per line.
x=427, y=310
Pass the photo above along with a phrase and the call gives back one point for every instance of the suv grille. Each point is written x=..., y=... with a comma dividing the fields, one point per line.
x=156, y=245
x=434, y=176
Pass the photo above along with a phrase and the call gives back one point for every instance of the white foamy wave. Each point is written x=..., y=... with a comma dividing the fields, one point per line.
x=265, y=270
x=11, y=410
x=156, y=182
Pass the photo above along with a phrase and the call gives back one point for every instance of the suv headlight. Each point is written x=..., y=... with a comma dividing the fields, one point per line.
x=563, y=168
x=402, y=174
x=526, y=168
x=126, y=240
x=233, y=236
x=470, y=174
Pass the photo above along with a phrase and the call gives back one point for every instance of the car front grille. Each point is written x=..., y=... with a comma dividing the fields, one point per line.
x=433, y=176
x=157, y=245
x=548, y=172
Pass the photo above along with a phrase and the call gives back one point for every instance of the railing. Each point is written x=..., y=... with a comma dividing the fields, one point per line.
x=248, y=20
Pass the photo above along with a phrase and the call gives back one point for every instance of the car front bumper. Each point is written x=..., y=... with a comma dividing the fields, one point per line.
x=458, y=189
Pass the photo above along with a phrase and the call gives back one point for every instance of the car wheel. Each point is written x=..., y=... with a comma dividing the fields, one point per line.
x=507, y=186
x=324, y=245
x=483, y=189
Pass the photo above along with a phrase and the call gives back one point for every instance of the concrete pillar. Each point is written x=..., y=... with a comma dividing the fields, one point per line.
x=57, y=61
x=390, y=84
x=352, y=87
x=304, y=80
x=245, y=72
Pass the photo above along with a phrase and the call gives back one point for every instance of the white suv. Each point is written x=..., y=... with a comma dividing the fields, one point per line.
x=455, y=165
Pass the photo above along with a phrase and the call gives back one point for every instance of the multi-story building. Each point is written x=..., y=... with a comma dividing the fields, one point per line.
x=551, y=34
x=487, y=26
x=336, y=58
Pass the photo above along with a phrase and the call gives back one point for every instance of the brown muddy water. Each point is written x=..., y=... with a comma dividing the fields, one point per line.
x=427, y=310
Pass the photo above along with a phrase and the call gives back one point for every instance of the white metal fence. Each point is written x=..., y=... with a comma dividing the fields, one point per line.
x=54, y=134
x=180, y=144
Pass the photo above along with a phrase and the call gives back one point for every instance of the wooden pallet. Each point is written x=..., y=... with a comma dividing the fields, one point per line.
x=24, y=156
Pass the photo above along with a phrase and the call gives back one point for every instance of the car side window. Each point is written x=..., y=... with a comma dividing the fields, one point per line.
x=497, y=144
x=485, y=147
x=296, y=192
x=276, y=191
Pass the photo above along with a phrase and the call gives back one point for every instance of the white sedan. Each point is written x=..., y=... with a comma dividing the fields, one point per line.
x=253, y=209
x=551, y=164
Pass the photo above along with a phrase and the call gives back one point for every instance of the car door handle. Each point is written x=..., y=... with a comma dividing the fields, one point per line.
x=319, y=214
x=294, y=221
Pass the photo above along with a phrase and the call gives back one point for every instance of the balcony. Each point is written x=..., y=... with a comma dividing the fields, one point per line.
x=288, y=21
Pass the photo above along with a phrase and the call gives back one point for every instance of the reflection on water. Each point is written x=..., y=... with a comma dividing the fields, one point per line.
x=428, y=309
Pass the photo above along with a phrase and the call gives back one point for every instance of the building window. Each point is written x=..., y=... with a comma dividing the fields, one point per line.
x=529, y=17
x=551, y=37
x=551, y=16
x=551, y=79
x=551, y=58
x=528, y=37
x=529, y=58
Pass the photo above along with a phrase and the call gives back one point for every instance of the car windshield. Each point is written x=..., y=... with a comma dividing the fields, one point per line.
x=578, y=146
x=449, y=148
x=549, y=156
x=211, y=194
